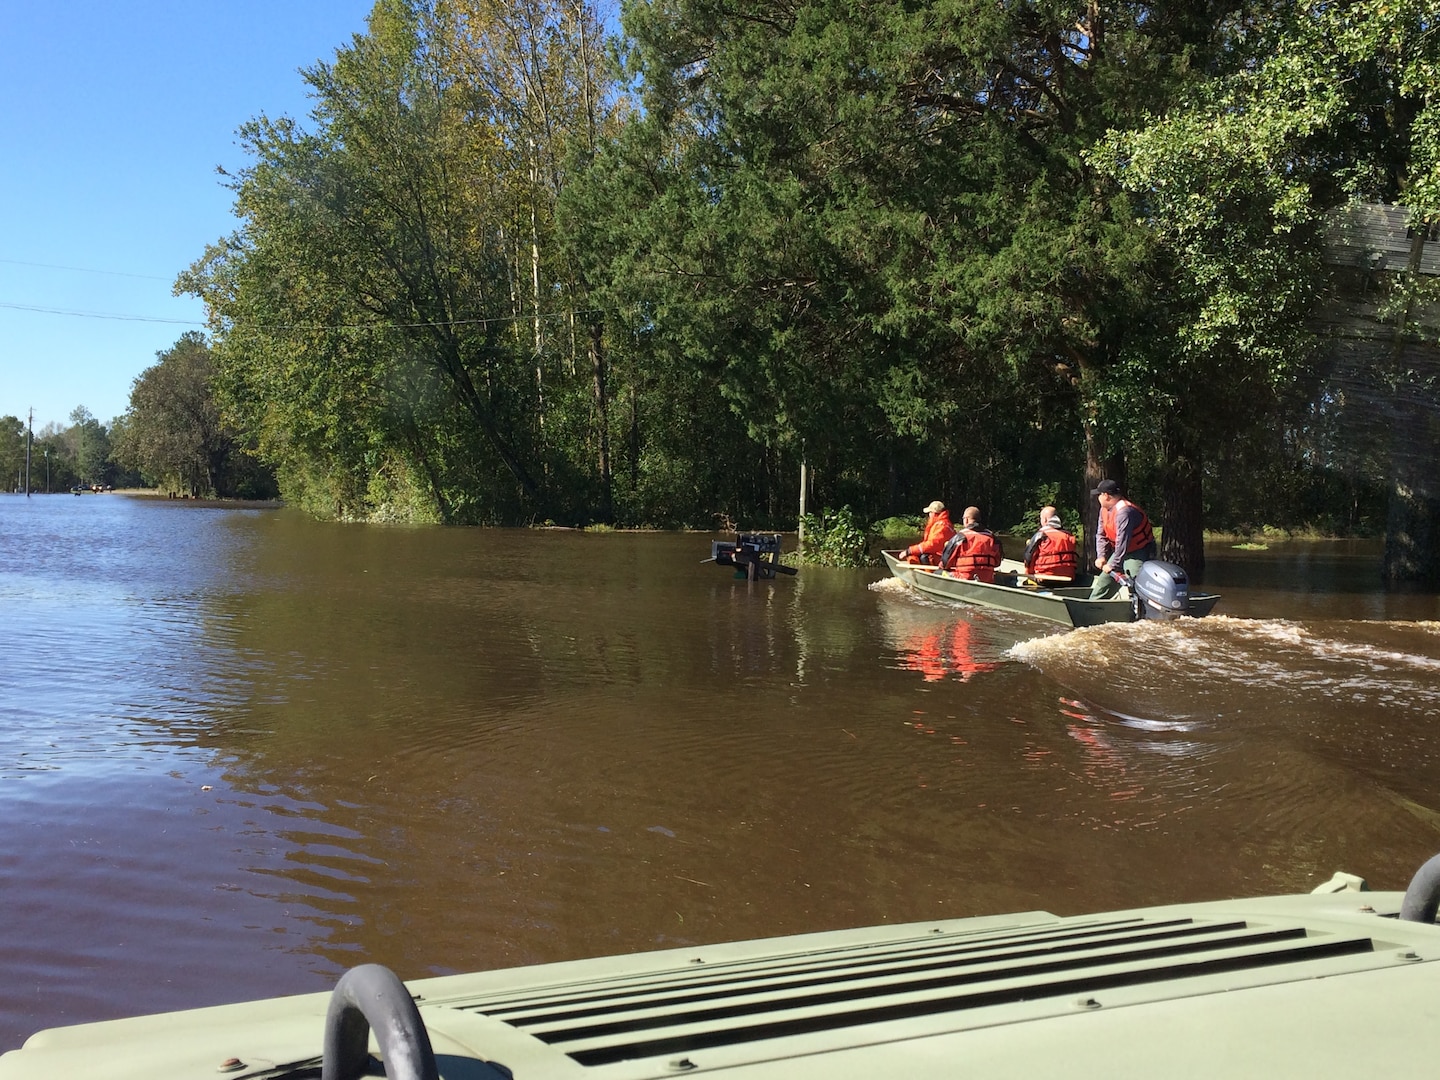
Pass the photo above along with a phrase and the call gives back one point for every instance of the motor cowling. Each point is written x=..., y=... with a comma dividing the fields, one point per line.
x=752, y=554
x=1161, y=591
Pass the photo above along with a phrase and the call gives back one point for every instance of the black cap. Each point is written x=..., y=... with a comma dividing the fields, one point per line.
x=1106, y=487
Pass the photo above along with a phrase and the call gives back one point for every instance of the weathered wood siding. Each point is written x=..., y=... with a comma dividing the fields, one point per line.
x=1373, y=236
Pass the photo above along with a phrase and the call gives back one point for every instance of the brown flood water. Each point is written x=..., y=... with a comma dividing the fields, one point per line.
x=241, y=751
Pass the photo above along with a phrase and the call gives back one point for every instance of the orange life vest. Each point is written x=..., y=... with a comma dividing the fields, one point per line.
x=938, y=531
x=973, y=553
x=1055, y=555
x=1141, y=536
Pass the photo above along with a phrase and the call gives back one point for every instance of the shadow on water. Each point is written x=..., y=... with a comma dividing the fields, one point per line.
x=1331, y=567
x=243, y=750
x=1313, y=579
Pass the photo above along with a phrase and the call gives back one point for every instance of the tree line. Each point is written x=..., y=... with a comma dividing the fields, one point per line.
x=171, y=437
x=60, y=457
x=521, y=264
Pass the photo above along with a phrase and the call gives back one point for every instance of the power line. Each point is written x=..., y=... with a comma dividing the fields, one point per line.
x=84, y=270
x=281, y=327
x=97, y=314
x=296, y=327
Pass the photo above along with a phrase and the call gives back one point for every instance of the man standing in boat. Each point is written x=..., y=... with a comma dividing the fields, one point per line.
x=1051, y=551
x=938, y=530
x=973, y=553
x=1123, y=541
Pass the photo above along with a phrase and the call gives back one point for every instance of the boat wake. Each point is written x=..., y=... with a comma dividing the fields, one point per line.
x=891, y=586
x=1228, y=667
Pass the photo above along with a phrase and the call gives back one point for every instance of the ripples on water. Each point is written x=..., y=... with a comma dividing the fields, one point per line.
x=240, y=751
x=1358, y=700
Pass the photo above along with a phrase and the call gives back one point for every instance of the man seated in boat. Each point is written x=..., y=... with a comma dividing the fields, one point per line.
x=973, y=553
x=938, y=530
x=1051, y=552
x=1123, y=542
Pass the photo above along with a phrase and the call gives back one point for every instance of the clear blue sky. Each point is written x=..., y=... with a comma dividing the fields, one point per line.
x=113, y=118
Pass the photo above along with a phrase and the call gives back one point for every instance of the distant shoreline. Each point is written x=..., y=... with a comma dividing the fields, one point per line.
x=151, y=495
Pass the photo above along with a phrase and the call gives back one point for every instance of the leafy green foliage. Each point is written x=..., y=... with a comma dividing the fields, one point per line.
x=1232, y=184
x=88, y=443
x=12, y=452
x=60, y=457
x=835, y=538
x=897, y=528
x=955, y=250
x=173, y=435
x=877, y=229
x=368, y=317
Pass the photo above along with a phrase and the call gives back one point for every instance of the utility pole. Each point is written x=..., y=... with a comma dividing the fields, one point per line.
x=804, y=491
x=29, y=442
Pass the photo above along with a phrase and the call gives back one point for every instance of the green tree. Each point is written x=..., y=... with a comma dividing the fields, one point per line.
x=541, y=66
x=368, y=315
x=1345, y=105
x=363, y=297
x=876, y=228
x=173, y=432
x=12, y=452
x=53, y=450
x=1235, y=278
x=88, y=443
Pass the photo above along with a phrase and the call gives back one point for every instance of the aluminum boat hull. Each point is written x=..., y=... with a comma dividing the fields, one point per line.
x=1067, y=605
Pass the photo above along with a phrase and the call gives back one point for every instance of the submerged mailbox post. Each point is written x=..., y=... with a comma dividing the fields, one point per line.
x=754, y=555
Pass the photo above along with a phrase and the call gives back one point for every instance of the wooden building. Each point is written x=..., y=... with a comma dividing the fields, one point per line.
x=1383, y=368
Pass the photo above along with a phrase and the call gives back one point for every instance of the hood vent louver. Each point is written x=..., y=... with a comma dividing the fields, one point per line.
x=705, y=1006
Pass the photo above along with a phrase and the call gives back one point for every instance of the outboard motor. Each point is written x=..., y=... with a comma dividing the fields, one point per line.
x=1161, y=590
x=754, y=555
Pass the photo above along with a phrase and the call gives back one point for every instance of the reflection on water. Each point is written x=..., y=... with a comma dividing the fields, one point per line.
x=240, y=751
x=928, y=638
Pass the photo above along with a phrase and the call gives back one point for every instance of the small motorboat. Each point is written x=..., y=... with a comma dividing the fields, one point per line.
x=1342, y=981
x=1160, y=591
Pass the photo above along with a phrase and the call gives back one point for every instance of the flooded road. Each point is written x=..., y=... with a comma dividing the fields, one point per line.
x=241, y=751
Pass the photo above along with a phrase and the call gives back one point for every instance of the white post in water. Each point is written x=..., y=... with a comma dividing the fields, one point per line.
x=804, y=484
